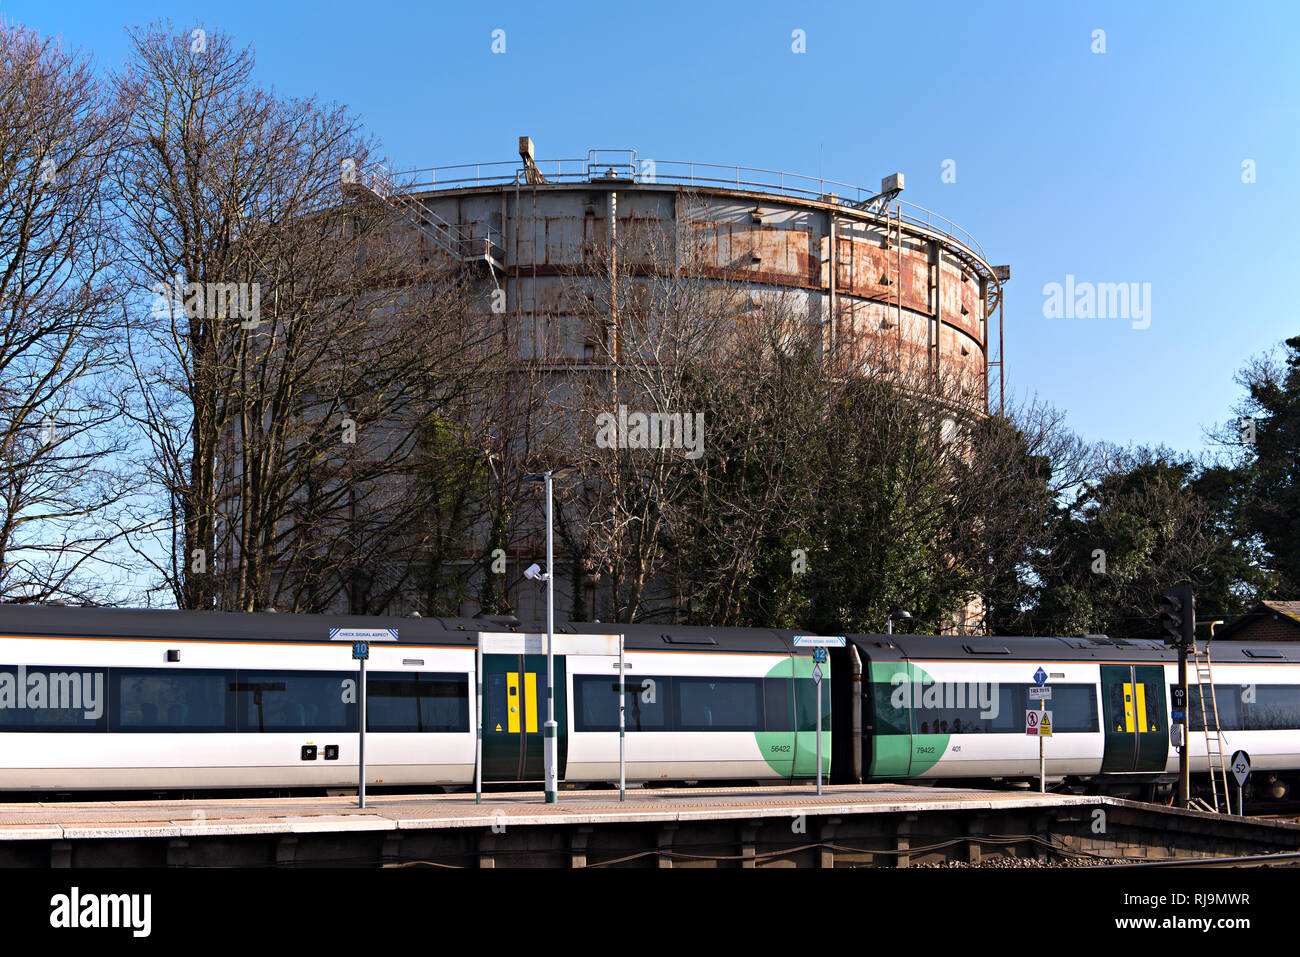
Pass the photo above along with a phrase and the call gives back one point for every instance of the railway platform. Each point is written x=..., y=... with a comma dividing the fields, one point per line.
x=874, y=825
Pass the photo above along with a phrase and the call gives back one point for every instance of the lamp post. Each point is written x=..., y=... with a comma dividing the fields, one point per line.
x=889, y=620
x=549, y=729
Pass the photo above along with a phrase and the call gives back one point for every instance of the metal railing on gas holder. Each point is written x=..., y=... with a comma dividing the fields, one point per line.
x=625, y=164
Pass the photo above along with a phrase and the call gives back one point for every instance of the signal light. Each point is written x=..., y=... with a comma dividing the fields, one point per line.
x=1178, y=616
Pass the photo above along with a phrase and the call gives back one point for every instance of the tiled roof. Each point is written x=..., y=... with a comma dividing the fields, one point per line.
x=1270, y=620
x=1289, y=608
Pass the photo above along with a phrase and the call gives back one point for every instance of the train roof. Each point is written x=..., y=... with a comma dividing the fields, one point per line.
x=1064, y=648
x=60, y=621
x=94, y=622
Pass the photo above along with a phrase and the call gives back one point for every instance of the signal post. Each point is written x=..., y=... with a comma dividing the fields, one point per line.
x=1178, y=626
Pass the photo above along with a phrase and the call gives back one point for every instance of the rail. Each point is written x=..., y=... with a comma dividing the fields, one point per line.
x=624, y=164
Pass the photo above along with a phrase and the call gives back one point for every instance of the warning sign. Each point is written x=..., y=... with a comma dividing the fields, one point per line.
x=1031, y=722
x=1045, y=725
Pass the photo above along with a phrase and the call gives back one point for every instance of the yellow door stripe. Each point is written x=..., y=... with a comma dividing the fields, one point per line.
x=512, y=696
x=1128, y=706
x=530, y=702
x=1142, y=707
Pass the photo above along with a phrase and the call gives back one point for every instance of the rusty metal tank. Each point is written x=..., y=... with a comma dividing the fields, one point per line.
x=873, y=269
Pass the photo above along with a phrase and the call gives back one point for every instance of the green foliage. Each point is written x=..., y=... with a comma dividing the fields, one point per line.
x=1272, y=505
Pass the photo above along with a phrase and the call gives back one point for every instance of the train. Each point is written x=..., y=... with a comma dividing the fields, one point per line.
x=103, y=699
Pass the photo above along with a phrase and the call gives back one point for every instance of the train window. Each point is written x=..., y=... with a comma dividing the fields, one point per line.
x=1247, y=707
x=719, y=704
x=596, y=702
x=1074, y=709
x=776, y=704
x=402, y=701
x=169, y=700
x=994, y=708
x=889, y=706
x=295, y=700
x=53, y=699
x=805, y=705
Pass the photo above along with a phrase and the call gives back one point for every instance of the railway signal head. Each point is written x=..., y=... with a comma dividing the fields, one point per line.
x=1178, y=616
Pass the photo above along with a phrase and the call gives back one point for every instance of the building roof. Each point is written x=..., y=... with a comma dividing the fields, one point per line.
x=1271, y=620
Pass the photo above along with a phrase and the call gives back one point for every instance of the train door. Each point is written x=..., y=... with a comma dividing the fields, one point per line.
x=887, y=720
x=514, y=715
x=1134, y=708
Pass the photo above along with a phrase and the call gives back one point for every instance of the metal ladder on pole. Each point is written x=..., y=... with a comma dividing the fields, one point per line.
x=1213, y=736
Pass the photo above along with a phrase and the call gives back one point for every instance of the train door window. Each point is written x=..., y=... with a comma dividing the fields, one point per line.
x=889, y=704
x=1148, y=707
x=1121, y=707
x=805, y=705
x=495, y=693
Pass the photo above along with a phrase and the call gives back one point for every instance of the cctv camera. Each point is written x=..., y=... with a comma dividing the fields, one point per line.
x=534, y=571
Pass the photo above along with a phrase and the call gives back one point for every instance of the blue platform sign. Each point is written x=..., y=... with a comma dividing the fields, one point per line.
x=819, y=654
x=360, y=650
x=1040, y=676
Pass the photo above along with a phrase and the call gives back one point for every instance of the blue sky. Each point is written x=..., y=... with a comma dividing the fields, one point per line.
x=1122, y=166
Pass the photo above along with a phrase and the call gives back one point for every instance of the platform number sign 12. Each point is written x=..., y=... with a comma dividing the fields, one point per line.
x=819, y=655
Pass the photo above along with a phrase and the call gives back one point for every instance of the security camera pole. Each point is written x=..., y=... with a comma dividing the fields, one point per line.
x=549, y=762
x=548, y=744
x=889, y=620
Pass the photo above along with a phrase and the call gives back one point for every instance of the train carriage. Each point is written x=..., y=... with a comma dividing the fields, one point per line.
x=111, y=699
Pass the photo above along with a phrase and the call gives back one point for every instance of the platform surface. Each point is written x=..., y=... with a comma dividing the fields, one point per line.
x=208, y=817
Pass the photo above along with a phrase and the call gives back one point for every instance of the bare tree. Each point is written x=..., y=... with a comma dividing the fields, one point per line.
x=61, y=489
x=303, y=361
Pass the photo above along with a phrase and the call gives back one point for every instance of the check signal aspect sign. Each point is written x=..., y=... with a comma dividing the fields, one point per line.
x=819, y=641
x=363, y=634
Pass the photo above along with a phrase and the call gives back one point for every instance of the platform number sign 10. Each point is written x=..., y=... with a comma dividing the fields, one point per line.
x=360, y=650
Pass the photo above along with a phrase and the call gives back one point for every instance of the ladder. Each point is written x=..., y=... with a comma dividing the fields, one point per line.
x=453, y=239
x=1213, y=735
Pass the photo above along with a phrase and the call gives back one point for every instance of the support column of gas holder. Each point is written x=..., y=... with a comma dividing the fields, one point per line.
x=571, y=647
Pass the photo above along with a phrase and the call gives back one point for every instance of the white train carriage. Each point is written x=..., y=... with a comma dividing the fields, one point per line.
x=106, y=700
x=954, y=708
x=102, y=699
x=738, y=704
